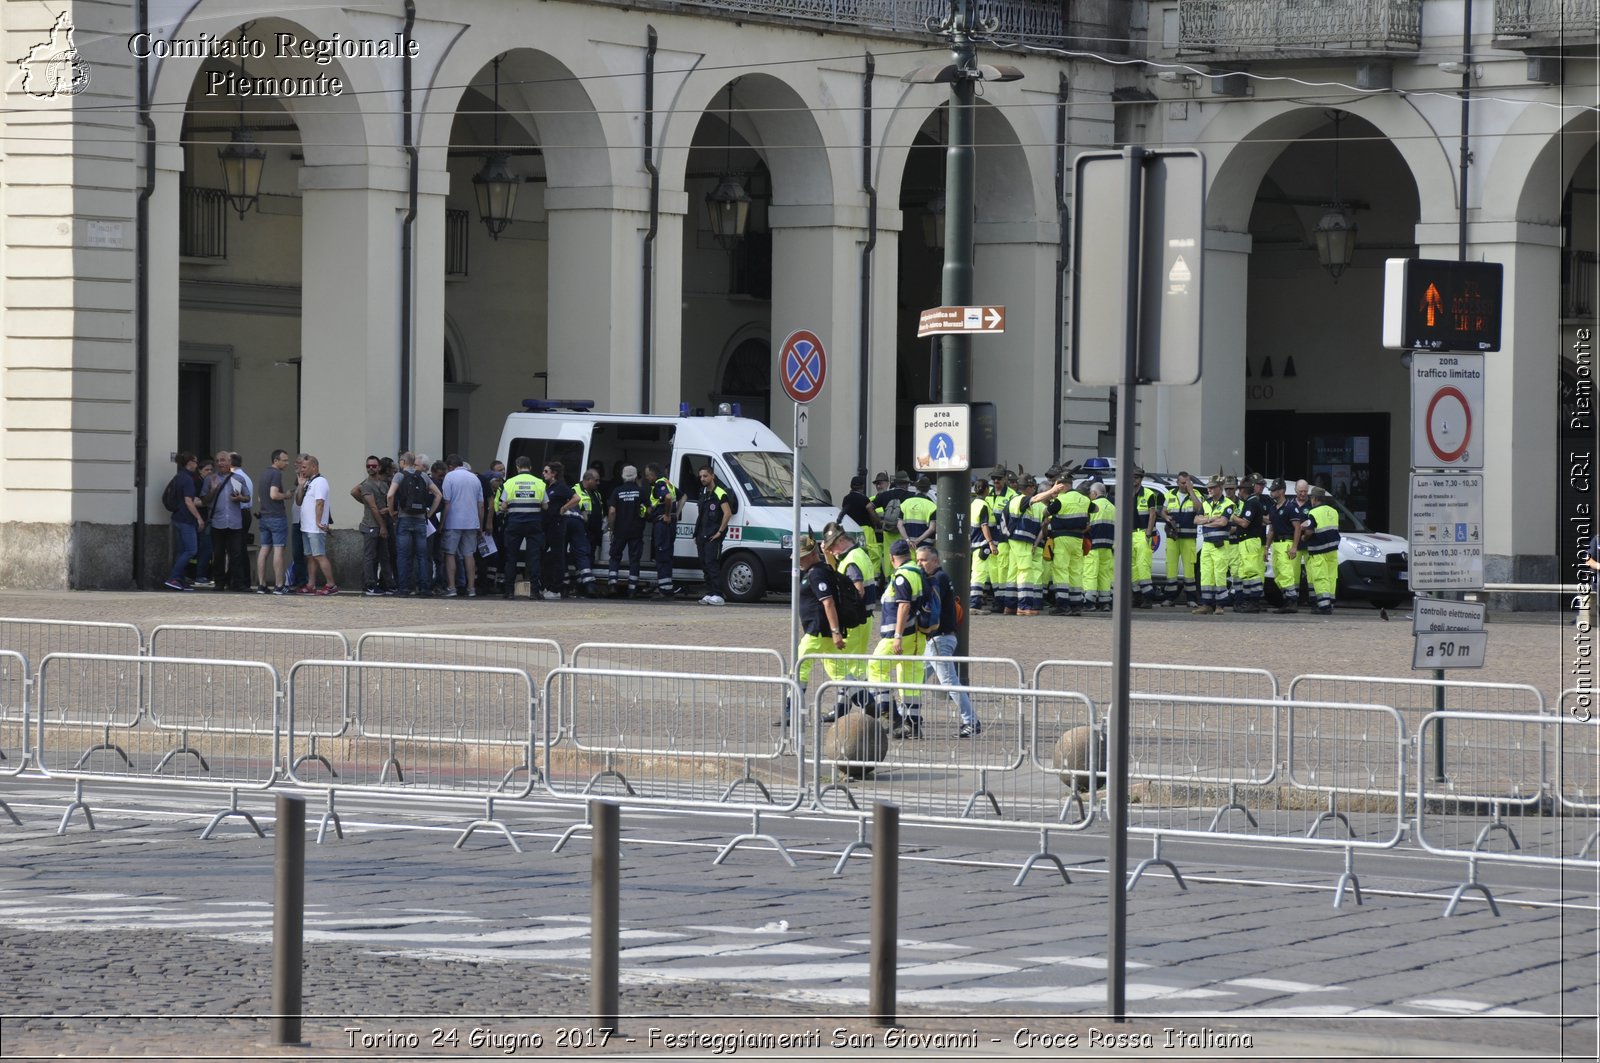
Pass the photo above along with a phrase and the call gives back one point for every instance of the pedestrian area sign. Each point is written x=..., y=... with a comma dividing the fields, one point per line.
x=941, y=438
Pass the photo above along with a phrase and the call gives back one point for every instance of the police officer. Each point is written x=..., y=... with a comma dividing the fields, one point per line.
x=1069, y=527
x=575, y=513
x=1184, y=504
x=820, y=629
x=1100, y=563
x=1318, y=536
x=1148, y=504
x=1025, y=516
x=1001, y=574
x=983, y=547
x=710, y=527
x=625, y=512
x=1214, y=520
x=1286, y=514
x=521, y=500
x=917, y=513
x=1250, y=551
x=902, y=616
x=661, y=510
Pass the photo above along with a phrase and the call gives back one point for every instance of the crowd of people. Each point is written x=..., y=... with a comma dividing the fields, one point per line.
x=436, y=528
x=1048, y=542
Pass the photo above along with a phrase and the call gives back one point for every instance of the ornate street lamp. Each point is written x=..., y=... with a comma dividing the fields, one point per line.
x=728, y=204
x=495, y=186
x=1335, y=234
x=242, y=160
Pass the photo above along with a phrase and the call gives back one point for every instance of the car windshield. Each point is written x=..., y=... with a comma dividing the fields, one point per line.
x=767, y=479
x=1348, y=521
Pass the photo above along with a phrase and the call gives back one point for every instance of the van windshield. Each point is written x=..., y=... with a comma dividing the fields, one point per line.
x=767, y=479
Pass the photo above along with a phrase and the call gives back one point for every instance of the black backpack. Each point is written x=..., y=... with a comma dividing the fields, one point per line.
x=852, y=610
x=413, y=498
x=172, y=495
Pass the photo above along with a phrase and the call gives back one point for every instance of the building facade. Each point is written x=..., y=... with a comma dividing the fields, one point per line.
x=359, y=305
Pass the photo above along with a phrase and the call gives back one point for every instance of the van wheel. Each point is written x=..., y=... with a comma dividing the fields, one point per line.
x=744, y=578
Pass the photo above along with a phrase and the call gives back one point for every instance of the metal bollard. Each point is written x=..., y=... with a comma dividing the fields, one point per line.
x=605, y=914
x=885, y=910
x=288, y=919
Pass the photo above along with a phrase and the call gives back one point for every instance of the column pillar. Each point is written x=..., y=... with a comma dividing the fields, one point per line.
x=427, y=339
x=349, y=327
x=596, y=241
x=816, y=285
x=1015, y=267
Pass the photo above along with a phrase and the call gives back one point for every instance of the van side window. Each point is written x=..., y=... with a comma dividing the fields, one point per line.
x=542, y=451
x=689, y=475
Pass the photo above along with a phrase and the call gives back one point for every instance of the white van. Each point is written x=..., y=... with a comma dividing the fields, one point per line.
x=749, y=459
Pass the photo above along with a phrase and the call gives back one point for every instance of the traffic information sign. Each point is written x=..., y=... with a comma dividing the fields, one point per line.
x=1447, y=411
x=1446, y=532
x=940, y=438
x=946, y=319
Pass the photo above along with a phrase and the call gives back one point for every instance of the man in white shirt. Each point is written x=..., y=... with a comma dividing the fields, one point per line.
x=463, y=522
x=316, y=518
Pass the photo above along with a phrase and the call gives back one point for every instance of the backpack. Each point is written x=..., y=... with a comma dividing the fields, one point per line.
x=891, y=516
x=172, y=495
x=852, y=610
x=413, y=498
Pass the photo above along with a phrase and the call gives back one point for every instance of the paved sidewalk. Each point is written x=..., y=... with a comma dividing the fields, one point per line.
x=141, y=941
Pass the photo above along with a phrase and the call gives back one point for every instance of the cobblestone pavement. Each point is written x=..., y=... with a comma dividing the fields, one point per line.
x=138, y=940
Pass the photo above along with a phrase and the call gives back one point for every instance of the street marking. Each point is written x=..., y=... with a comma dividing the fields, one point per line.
x=1282, y=986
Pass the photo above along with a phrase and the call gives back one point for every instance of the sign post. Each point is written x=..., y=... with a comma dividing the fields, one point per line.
x=802, y=366
x=1137, y=255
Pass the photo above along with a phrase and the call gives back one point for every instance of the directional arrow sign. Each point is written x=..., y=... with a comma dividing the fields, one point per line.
x=945, y=319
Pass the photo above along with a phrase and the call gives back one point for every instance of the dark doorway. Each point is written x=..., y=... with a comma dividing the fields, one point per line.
x=1348, y=453
x=194, y=408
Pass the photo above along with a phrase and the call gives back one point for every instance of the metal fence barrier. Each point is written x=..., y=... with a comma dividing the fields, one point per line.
x=1482, y=810
x=16, y=745
x=413, y=729
x=220, y=729
x=682, y=740
x=1577, y=760
x=36, y=638
x=1005, y=776
x=1253, y=735
x=279, y=647
x=1345, y=764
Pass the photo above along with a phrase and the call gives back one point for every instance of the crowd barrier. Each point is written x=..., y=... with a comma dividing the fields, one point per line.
x=1012, y=774
x=16, y=746
x=683, y=740
x=173, y=721
x=1494, y=803
x=1215, y=752
x=412, y=729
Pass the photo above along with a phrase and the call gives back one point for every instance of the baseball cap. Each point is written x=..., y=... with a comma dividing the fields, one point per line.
x=858, y=481
x=900, y=548
x=1277, y=485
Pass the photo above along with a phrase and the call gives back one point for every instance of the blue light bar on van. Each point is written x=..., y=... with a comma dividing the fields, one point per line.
x=552, y=405
x=1098, y=465
x=683, y=409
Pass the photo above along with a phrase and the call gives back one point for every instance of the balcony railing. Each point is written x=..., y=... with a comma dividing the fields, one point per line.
x=1580, y=284
x=202, y=223
x=457, y=227
x=1031, y=21
x=1564, y=19
x=1264, y=26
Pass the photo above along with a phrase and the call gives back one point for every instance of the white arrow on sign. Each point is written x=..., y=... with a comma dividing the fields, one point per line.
x=993, y=317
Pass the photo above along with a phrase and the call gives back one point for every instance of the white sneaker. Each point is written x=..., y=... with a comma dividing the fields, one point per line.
x=714, y=599
x=451, y=593
x=550, y=596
